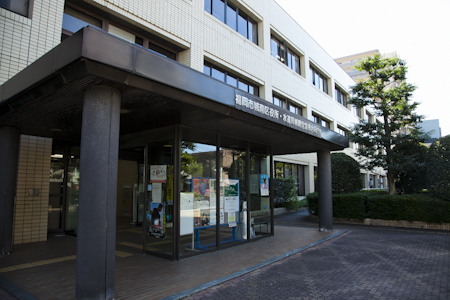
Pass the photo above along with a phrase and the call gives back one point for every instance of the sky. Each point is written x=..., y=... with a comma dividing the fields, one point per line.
x=419, y=31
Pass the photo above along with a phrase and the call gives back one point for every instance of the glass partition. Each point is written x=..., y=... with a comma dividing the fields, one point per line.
x=197, y=198
x=158, y=191
x=233, y=212
x=260, y=212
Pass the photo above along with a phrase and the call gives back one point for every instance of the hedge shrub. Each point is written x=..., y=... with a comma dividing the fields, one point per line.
x=284, y=190
x=414, y=207
x=438, y=168
x=350, y=206
x=345, y=174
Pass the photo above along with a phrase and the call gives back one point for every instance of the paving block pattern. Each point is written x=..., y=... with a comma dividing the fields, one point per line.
x=361, y=264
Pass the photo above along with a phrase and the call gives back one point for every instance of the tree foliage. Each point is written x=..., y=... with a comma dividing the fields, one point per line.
x=345, y=173
x=386, y=92
x=412, y=170
x=438, y=166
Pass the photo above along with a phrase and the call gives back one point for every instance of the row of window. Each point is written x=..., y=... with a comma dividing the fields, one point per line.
x=280, y=51
x=74, y=20
x=286, y=104
x=321, y=121
x=229, y=78
x=229, y=14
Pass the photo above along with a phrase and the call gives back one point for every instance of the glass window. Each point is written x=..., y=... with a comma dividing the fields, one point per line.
x=316, y=119
x=208, y=5
x=312, y=77
x=243, y=86
x=231, y=80
x=218, y=9
x=242, y=25
x=197, y=198
x=279, y=102
x=162, y=51
x=218, y=74
x=158, y=205
x=74, y=20
x=252, y=90
x=232, y=191
x=231, y=16
x=274, y=48
x=252, y=31
x=295, y=109
x=18, y=6
x=259, y=206
x=207, y=70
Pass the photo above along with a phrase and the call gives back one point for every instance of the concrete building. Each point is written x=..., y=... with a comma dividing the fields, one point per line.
x=432, y=128
x=171, y=114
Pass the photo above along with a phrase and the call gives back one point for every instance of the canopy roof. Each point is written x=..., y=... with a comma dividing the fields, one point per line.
x=46, y=98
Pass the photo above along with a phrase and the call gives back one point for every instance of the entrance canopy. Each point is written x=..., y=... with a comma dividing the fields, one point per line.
x=46, y=98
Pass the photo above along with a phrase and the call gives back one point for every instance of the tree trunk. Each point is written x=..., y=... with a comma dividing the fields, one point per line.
x=391, y=179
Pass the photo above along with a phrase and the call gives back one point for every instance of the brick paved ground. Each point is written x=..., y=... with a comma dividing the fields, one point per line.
x=370, y=263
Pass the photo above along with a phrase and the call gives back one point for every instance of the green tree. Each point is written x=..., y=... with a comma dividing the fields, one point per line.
x=438, y=165
x=345, y=174
x=412, y=170
x=387, y=93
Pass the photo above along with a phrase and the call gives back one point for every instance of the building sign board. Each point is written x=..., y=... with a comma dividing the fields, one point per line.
x=269, y=111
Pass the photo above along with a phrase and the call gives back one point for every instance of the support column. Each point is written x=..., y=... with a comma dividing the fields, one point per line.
x=9, y=153
x=96, y=241
x=325, y=191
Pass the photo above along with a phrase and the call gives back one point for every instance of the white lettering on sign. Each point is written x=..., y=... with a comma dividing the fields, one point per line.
x=275, y=114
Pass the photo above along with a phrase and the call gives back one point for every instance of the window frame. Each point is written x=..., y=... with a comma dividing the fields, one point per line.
x=340, y=96
x=318, y=79
x=284, y=53
x=143, y=41
x=251, y=32
x=287, y=104
x=12, y=6
x=318, y=119
x=240, y=80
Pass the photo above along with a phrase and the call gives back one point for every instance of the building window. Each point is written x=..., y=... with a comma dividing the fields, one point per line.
x=279, y=101
x=229, y=14
x=280, y=51
x=342, y=131
x=74, y=20
x=17, y=6
x=340, y=96
x=368, y=117
x=287, y=104
x=356, y=111
x=321, y=121
x=285, y=170
x=229, y=78
x=318, y=80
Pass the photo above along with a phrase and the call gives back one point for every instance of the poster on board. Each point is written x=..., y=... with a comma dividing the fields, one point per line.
x=158, y=173
x=231, y=195
x=264, y=185
x=157, y=220
x=201, y=189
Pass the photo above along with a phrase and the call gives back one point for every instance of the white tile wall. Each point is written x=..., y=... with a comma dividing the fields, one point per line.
x=33, y=182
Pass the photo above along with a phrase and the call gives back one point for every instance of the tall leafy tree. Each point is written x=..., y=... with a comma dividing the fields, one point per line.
x=387, y=93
